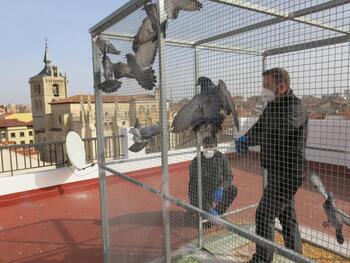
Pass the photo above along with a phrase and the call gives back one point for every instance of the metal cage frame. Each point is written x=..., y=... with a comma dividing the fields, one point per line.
x=133, y=5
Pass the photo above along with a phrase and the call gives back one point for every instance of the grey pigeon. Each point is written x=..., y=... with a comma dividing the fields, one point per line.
x=335, y=217
x=104, y=44
x=151, y=11
x=110, y=84
x=134, y=70
x=173, y=8
x=145, y=44
x=204, y=109
x=142, y=135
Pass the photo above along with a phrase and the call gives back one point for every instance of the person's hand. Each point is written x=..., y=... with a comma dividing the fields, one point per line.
x=242, y=145
x=213, y=212
x=218, y=195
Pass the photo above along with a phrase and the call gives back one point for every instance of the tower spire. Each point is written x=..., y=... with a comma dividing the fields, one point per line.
x=47, y=60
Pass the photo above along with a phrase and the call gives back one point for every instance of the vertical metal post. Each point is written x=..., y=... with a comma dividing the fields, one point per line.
x=264, y=170
x=199, y=161
x=165, y=134
x=101, y=154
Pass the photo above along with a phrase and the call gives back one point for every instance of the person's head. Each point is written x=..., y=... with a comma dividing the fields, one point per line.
x=276, y=81
x=210, y=144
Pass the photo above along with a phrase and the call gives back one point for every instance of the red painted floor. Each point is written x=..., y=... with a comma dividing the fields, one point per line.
x=63, y=224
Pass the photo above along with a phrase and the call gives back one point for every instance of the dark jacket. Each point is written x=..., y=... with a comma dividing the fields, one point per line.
x=281, y=131
x=216, y=172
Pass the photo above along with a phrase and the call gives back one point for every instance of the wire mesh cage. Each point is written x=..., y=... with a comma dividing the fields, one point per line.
x=233, y=114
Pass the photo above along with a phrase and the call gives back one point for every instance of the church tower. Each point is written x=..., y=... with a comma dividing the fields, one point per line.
x=46, y=86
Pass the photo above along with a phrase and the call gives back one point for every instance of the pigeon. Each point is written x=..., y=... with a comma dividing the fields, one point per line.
x=146, y=33
x=335, y=216
x=142, y=136
x=110, y=84
x=151, y=11
x=204, y=109
x=103, y=43
x=173, y=8
x=145, y=76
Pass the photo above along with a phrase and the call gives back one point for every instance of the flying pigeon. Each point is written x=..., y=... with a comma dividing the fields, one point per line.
x=335, y=216
x=204, y=109
x=151, y=11
x=146, y=33
x=134, y=70
x=142, y=135
x=173, y=8
x=110, y=84
x=103, y=43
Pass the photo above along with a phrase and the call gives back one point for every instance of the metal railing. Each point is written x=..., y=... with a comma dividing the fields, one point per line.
x=21, y=157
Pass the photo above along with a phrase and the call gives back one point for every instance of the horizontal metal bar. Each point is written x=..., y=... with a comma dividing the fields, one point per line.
x=327, y=149
x=292, y=16
x=189, y=44
x=290, y=254
x=307, y=45
x=125, y=10
x=272, y=21
x=236, y=211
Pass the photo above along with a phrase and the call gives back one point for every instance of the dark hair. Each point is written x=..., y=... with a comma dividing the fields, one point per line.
x=210, y=140
x=280, y=75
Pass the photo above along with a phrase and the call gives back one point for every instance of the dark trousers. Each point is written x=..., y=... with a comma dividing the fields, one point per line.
x=277, y=202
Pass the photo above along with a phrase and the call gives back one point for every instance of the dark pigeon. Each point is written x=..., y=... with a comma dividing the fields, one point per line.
x=205, y=109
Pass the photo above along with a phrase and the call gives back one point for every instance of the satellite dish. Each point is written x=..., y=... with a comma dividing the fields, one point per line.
x=76, y=151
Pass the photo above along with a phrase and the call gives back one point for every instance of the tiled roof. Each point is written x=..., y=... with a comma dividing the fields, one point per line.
x=14, y=123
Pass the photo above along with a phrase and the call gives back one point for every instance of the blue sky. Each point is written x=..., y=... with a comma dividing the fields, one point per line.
x=24, y=26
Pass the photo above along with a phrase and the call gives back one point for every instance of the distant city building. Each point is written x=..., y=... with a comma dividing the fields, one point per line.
x=13, y=131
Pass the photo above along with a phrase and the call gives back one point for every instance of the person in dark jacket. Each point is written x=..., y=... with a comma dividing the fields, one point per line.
x=281, y=131
x=218, y=192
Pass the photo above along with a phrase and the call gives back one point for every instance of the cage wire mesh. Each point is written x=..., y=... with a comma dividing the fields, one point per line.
x=235, y=41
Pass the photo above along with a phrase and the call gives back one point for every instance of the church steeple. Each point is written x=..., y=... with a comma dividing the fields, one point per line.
x=47, y=60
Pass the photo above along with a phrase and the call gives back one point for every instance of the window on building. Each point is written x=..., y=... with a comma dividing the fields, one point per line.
x=123, y=123
x=38, y=90
x=13, y=135
x=3, y=135
x=55, y=90
x=60, y=119
x=31, y=141
x=23, y=142
x=21, y=134
x=30, y=133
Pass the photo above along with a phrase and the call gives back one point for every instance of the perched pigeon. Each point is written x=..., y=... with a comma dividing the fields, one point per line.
x=110, y=84
x=142, y=136
x=335, y=217
x=204, y=109
x=104, y=44
x=173, y=8
x=134, y=70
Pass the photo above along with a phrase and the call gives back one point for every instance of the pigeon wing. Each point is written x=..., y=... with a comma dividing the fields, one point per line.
x=150, y=131
x=228, y=103
x=316, y=181
x=136, y=147
x=187, y=5
x=344, y=217
x=146, y=54
x=188, y=114
x=145, y=33
x=103, y=43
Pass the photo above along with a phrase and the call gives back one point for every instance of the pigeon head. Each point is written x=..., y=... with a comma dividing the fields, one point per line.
x=205, y=83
